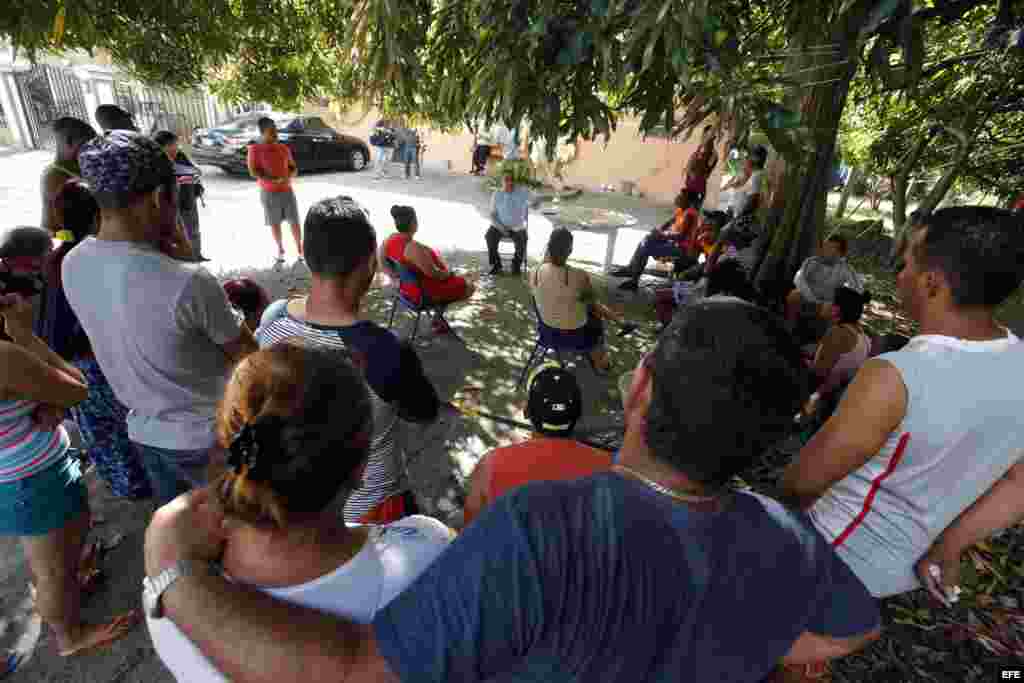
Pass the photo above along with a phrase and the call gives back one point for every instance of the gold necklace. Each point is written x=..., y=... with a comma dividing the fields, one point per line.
x=686, y=498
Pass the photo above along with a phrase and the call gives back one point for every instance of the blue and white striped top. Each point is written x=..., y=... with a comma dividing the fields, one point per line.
x=24, y=448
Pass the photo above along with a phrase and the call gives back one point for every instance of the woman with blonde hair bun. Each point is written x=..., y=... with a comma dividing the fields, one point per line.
x=297, y=422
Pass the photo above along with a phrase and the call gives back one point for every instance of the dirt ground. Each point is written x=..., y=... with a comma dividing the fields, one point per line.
x=497, y=326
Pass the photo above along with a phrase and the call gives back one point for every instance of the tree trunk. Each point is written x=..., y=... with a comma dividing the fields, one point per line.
x=901, y=183
x=844, y=198
x=806, y=180
x=964, y=145
x=901, y=187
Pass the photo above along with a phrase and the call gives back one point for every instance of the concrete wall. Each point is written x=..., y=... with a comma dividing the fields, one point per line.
x=655, y=165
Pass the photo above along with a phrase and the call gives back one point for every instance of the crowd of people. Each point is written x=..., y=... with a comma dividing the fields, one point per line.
x=288, y=544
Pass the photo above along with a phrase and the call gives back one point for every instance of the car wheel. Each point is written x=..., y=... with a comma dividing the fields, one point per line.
x=357, y=159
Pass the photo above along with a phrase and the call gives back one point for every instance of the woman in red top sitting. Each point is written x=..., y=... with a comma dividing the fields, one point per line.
x=436, y=279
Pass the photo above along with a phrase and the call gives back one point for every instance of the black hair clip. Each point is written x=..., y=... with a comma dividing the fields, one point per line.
x=254, y=446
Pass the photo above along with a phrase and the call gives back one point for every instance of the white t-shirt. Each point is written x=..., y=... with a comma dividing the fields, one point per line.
x=962, y=432
x=157, y=327
x=394, y=555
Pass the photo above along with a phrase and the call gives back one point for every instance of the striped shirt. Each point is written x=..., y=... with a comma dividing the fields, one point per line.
x=24, y=448
x=385, y=467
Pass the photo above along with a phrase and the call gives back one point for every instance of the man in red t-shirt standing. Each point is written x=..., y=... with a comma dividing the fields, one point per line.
x=272, y=164
x=554, y=406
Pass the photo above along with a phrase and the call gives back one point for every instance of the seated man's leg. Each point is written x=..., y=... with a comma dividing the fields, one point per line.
x=639, y=260
x=519, y=239
x=652, y=246
x=493, y=236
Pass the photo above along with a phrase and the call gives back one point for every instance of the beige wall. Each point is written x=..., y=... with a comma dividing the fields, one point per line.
x=655, y=165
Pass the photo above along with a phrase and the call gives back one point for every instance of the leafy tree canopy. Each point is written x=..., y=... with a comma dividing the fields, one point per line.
x=965, y=84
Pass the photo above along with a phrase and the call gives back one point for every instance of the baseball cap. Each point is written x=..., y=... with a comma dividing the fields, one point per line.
x=554, y=402
x=124, y=162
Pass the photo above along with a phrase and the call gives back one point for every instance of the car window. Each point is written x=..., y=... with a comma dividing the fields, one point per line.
x=316, y=123
x=292, y=125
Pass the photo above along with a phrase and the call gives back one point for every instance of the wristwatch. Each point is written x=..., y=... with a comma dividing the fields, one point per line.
x=154, y=588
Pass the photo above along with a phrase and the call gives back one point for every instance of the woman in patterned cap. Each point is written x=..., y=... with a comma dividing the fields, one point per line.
x=101, y=416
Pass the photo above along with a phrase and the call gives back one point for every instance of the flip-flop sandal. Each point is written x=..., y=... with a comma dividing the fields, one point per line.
x=118, y=628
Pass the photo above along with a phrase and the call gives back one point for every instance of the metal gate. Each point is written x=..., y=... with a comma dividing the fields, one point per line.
x=47, y=93
x=153, y=109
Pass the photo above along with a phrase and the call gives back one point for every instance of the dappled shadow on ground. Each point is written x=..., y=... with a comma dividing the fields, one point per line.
x=499, y=330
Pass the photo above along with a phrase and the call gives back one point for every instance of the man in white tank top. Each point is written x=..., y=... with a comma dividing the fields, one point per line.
x=923, y=457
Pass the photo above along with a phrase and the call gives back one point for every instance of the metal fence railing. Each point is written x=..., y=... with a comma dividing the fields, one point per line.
x=163, y=109
x=47, y=93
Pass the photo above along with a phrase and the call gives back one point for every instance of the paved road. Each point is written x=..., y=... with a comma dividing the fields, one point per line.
x=449, y=208
x=497, y=325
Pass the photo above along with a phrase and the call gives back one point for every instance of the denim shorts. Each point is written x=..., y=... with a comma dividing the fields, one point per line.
x=45, y=501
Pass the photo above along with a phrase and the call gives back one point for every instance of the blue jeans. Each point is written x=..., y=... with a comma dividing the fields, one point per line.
x=409, y=154
x=655, y=245
x=172, y=473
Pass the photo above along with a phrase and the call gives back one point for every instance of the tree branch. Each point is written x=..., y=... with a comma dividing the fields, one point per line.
x=947, y=11
x=946, y=181
x=952, y=61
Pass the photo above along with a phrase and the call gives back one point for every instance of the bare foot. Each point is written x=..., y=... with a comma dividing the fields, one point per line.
x=97, y=636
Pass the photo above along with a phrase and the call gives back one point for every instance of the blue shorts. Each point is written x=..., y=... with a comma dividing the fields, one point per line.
x=45, y=501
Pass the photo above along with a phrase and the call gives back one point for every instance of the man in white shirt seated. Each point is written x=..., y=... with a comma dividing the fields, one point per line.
x=510, y=209
x=924, y=456
x=818, y=279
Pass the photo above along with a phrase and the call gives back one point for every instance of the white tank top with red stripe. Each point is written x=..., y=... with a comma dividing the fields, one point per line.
x=963, y=430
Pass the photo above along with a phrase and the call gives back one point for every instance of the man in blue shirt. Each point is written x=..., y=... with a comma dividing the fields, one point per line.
x=510, y=207
x=657, y=570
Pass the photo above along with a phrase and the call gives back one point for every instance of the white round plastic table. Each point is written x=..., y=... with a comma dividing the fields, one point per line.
x=588, y=219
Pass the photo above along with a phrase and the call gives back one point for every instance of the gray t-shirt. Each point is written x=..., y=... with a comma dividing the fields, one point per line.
x=817, y=280
x=156, y=326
